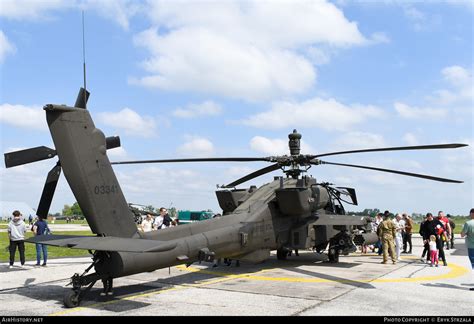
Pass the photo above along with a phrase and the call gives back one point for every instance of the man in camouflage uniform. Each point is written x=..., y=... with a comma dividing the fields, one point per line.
x=386, y=232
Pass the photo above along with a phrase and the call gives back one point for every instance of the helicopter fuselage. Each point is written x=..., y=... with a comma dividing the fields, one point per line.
x=261, y=222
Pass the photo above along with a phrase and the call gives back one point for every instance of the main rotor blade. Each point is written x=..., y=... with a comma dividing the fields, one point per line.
x=29, y=155
x=391, y=171
x=48, y=191
x=400, y=148
x=231, y=159
x=252, y=175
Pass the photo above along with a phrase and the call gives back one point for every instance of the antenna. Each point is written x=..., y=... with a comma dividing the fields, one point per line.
x=84, y=60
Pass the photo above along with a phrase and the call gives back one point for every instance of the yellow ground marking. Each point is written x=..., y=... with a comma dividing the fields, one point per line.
x=455, y=271
x=226, y=277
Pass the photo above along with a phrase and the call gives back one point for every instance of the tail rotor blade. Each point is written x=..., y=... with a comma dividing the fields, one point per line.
x=48, y=191
x=29, y=155
x=253, y=175
x=390, y=171
x=82, y=97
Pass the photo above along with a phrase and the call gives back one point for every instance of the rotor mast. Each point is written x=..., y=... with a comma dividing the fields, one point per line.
x=295, y=148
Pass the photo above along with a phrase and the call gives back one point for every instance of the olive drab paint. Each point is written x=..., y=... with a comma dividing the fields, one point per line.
x=292, y=212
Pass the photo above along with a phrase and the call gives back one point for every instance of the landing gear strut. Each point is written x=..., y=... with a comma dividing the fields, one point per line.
x=73, y=297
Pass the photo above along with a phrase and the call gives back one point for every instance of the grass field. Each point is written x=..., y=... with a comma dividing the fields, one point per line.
x=30, y=249
x=4, y=223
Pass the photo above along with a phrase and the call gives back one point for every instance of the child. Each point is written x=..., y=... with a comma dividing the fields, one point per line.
x=433, y=250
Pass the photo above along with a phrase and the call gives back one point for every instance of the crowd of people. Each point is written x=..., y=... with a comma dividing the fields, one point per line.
x=395, y=237
x=161, y=221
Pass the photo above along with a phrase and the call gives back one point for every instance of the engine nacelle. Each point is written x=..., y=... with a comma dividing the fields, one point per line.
x=301, y=201
x=229, y=200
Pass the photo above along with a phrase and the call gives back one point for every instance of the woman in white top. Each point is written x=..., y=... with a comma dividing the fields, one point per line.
x=147, y=224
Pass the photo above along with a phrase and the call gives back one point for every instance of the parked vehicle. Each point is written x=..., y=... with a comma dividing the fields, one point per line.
x=190, y=216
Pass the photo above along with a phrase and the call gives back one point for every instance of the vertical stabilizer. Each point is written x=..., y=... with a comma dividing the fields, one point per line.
x=81, y=148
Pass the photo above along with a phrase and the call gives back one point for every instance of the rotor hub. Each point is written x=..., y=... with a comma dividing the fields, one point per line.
x=294, y=142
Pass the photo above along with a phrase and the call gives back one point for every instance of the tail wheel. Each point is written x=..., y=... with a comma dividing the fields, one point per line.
x=71, y=299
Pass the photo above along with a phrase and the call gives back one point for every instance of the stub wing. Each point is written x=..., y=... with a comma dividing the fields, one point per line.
x=327, y=219
x=109, y=243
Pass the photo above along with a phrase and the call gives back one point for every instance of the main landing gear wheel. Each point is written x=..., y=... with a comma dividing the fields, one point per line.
x=333, y=255
x=282, y=254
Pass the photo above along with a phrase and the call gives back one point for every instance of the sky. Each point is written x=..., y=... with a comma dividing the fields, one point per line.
x=178, y=79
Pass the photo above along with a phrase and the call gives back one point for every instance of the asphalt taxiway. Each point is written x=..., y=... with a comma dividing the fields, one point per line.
x=357, y=285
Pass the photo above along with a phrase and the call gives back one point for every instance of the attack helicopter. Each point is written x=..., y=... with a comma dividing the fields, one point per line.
x=293, y=211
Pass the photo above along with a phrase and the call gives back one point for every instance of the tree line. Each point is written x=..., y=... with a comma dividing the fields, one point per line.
x=373, y=212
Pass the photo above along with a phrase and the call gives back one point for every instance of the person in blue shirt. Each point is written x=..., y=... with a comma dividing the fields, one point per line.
x=41, y=228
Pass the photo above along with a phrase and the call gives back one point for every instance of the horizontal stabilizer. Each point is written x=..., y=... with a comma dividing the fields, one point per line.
x=99, y=243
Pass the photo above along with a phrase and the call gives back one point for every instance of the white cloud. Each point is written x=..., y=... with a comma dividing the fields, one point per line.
x=461, y=83
x=384, y=179
x=286, y=23
x=276, y=146
x=462, y=3
x=196, y=147
x=421, y=21
x=32, y=9
x=129, y=121
x=248, y=50
x=328, y=114
x=205, y=61
x=239, y=171
x=166, y=185
x=6, y=47
x=379, y=37
x=409, y=112
x=457, y=75
x=460, y=162
x=117, y=153
x=30, y=117
x=414, y=14
x=269, y=146
x=360, y=140
x=119, y=11
x=410, y=139
x=207, y=108
x=318, y=56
